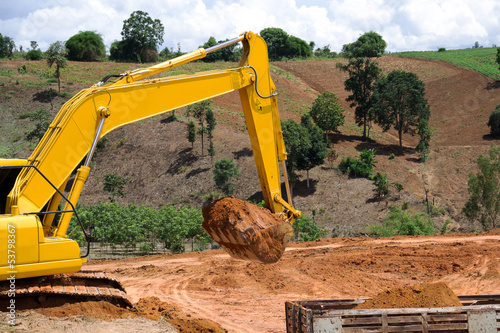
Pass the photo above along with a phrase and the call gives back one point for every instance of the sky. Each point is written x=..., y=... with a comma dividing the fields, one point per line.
x=406, y=25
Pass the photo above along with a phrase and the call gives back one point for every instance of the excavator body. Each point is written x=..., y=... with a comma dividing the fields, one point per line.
x=33, y=228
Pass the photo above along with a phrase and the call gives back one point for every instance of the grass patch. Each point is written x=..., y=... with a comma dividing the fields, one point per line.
x=482, y=60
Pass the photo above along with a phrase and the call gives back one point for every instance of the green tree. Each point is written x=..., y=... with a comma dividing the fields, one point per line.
x=56, y=55
x=363, y=73
x=327, y=113
x=34, y=53
x=191, y=134
x=124, y=50
x=211, y=123
x=484, y=200
x=223, y=54
x=199, y=111
x=143, y=35
x=425, y=133
x=398, y=101
x=297, y=143
x=86, y=46
x=297, y=48
x=494, y=122
x=223, y=172
x=7, y=46
x=276, y=42
x=325, y=52
x=114, y=185
x=368, y=45
x=498, y=57
x=317, y=153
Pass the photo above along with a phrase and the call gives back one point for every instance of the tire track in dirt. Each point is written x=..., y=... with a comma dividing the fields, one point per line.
x=186, y=298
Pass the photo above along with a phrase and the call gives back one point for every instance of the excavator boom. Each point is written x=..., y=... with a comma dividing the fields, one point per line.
x=32, y=189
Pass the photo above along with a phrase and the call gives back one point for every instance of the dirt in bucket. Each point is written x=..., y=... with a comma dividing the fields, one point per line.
x=429, y=295
x=246, y=231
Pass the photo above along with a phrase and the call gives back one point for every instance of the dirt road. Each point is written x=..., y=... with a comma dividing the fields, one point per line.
x=249, y=297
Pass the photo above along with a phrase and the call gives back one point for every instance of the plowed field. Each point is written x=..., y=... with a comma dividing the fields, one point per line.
x=250, y=297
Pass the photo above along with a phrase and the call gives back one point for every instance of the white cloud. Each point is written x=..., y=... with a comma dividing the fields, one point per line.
x=405, y=25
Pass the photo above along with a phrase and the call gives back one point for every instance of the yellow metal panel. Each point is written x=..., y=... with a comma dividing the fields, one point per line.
x=19, y=238
x=13, y=161
x=41, y=269
x=54, y=249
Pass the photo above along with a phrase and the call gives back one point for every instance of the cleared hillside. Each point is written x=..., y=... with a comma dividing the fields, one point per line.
x=163, y=168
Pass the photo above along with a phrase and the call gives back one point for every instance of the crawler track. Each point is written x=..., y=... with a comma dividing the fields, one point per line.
x=50, y=291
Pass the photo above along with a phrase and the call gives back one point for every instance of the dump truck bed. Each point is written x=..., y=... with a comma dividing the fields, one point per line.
x=479, y=313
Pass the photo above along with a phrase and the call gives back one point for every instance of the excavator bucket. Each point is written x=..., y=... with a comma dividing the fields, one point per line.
x=246, y=231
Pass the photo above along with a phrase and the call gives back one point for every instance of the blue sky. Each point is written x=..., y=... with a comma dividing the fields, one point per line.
x=404, y=25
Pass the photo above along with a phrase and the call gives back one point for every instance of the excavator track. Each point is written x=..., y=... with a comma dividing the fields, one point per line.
x=56, y=290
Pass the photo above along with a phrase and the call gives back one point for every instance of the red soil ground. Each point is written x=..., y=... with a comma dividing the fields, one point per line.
x=249, y=297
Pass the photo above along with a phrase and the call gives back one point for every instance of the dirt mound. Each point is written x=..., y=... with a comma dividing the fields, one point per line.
x=152, y=307
x=94, y=309
x=246, y=231
x=149, y=308
x=431, y=295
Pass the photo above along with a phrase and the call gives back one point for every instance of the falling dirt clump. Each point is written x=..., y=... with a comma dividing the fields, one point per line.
x=431, y=295
x=246, y=231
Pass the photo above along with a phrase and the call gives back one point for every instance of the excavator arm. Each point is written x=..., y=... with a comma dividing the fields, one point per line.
x=116, y=101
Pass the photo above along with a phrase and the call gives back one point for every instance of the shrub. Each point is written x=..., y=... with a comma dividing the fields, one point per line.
x=382, y=185
x=224, y=171
x=362, y=167
x=306, y=230
x=403, y=222
x=494, y=122
x=33, y=55
x=113, y=184
x=442, y=49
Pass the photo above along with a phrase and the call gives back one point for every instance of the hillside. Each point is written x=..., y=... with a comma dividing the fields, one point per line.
x=163, y=168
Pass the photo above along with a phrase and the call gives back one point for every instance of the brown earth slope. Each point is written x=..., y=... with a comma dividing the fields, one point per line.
x=163, y=168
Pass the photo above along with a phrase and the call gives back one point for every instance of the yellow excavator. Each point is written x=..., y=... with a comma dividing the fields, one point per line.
x=35, y=250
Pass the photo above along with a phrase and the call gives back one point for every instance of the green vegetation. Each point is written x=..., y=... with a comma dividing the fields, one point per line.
x=494, y=122
x=56, y=55
x=282, y=46
x=203, y=112
x=224, y=171
x=484, y=190
x=361, y=167
x=131, y=225
x=482, y=60
x=403, y=222
x=86, y=46
x=306, y=230
x=114, y=184
x=327, y=112
x=363, y=73
x=141, y=36
x=398, y=101
x=368, y=45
